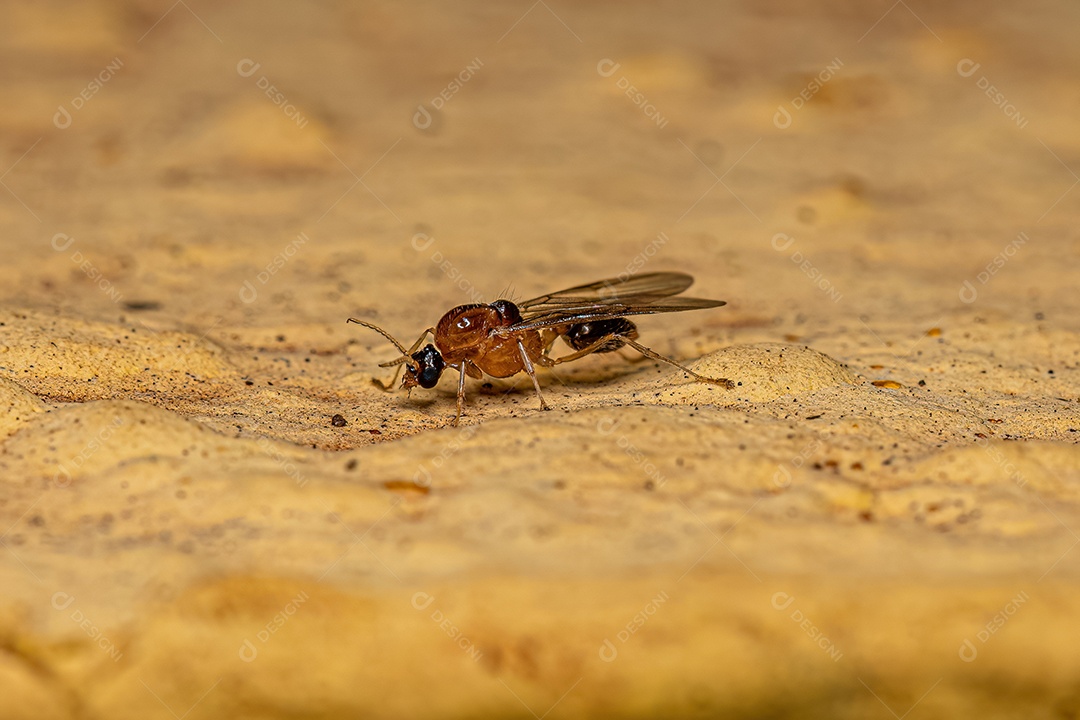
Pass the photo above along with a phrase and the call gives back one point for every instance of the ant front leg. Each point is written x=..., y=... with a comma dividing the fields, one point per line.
x=465, y=368
x=460, y=392
x=400, y=362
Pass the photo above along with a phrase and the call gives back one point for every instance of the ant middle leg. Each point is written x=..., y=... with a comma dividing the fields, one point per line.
x=527, y=361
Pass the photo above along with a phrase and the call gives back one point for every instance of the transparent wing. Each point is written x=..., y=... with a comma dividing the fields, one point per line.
x=592, y=311
x=613, y=291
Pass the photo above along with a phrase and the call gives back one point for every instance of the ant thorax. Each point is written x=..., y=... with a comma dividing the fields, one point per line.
x=467, y=333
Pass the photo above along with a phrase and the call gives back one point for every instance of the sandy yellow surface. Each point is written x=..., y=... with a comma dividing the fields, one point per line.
x=880, y=520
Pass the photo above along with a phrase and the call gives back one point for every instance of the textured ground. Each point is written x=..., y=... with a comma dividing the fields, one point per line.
x=881, y=519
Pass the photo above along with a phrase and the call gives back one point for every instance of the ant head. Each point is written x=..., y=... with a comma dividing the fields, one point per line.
x=425, y=370
x=426, y=366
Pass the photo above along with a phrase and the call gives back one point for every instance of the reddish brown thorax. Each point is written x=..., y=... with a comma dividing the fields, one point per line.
x=465, y=333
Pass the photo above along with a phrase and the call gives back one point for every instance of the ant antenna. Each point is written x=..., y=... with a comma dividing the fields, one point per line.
x=382, y=332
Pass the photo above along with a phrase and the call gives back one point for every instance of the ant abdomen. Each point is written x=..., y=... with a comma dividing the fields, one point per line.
x=583, y=335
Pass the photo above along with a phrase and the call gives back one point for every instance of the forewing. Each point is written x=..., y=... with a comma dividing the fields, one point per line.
x=626, y=291
x=591, y=311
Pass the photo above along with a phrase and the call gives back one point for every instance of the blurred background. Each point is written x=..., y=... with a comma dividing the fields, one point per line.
x=839, y=160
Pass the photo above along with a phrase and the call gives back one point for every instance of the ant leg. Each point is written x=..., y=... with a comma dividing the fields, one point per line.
x=552, y=362
x=465, y=368
x=461, y=391
x=389, y=387
x=547, y=339
x=722, y=382
x=532, y=373
x=420, y=341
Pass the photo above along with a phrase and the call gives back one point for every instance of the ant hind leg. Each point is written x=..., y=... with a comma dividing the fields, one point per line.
x=649, y=353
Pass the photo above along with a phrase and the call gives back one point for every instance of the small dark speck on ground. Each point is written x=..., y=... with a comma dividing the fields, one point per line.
x=338, y=421
x=142, y=305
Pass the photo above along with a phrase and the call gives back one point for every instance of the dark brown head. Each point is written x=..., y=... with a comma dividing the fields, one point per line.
x=426, y=365
x=425, y=369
